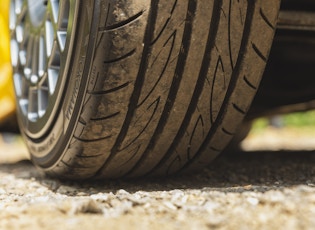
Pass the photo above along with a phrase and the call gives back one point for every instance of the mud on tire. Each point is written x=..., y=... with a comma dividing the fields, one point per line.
x=154, y=87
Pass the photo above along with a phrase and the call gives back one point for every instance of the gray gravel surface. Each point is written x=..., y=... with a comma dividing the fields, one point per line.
x=240, y=190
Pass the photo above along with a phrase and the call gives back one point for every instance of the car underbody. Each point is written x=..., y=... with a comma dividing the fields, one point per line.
x=288, y=84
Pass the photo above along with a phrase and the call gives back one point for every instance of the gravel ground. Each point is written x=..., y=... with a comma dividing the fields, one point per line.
x=240, y=190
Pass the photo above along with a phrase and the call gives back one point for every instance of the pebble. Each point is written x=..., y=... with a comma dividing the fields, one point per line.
x=235, y=193
x=68, y=190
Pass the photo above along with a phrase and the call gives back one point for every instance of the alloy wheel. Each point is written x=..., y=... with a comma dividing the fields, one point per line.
x=40, y=42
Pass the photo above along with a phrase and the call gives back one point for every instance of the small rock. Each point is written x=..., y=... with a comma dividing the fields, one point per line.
x=66, y=190
x=83, y=207
x=253, y=201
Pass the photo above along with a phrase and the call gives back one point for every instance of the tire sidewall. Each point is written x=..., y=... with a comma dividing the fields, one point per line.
x=48, y=149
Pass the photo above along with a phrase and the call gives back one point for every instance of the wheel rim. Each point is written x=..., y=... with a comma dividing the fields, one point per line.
x=40, y=46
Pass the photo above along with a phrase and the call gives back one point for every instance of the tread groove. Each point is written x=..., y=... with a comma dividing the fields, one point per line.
x=179, y=72
x=245, y=40
x=165, y=25
x=171, y=38
x=106, y=117
x=82, y=121
x=259, y=53
x=229, y=34
x=155, y=105
x=215, y=149
x=265, y=18
x=149, y=33
x=249, y=83
x=66, y=164
x=89, y=156
x=200, y=82
x=227, y=132
x=103, y=92
x=235, y=106
x=129, y=54
x=123, y=23
x=92, y=140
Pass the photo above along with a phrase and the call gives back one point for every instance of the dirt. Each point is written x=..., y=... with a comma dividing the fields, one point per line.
x=253, y=189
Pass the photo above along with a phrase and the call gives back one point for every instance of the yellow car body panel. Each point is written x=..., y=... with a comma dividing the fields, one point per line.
x=7, y=99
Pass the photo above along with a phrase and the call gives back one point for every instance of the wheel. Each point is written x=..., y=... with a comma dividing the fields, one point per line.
x=109, y=89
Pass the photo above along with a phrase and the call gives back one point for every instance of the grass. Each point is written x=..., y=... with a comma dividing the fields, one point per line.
x=303, y=121
x=306, y=119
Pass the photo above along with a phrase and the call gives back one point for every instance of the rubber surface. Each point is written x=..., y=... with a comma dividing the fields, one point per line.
x=157, y=87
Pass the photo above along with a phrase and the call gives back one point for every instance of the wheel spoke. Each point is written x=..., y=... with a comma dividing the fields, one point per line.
x=33, y=105
x=49, y=36
x=29, y=57
x=20, y=12
x=19, y=33
x=43, y=96
x=14, y=53
x=55, y=57
x=52, y=79
x=35, y=57
x=26, y=36
x=23, y=105
x=18, y=84
x=39, y=41
x=63, y=15
x=41, y=57
x=24, y=88
x=18, y=6
x=37, y=11
x=13, y=20
x=22, y=57
x=62, y=36
x=55, y=10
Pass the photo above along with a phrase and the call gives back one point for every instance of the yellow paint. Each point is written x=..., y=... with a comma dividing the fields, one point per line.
x=7, y=102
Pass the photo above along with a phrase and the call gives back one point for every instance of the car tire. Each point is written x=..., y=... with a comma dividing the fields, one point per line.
x=110, y=89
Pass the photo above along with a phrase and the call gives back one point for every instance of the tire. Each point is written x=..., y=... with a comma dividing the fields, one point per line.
x=138, y=87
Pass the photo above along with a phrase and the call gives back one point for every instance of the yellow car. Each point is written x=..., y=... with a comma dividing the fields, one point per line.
x=7, y=103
